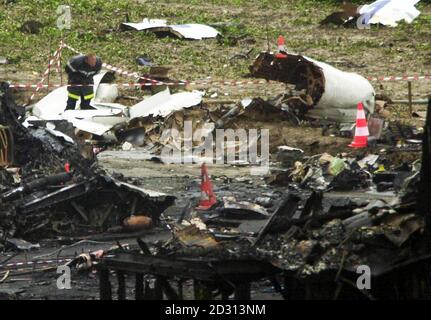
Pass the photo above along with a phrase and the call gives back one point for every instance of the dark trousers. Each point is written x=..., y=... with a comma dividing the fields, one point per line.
x=84, y=93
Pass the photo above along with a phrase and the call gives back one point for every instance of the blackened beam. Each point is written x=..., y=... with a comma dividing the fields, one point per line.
x=105, y=285
x=211, y=270
x=243, y=291
x=139, y=286
x=167, y=289
x=423, y=204
x=6, y=146
x=36, y=184
x=121, y=290
x=64, y=194
x=415, y=262
x=287, y=207
x=313, y=205
x=144, y=247
x=162, y=281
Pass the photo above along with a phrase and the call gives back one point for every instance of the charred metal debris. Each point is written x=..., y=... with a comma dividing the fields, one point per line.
x=316, y=94
x=330, y=216
x=51, y=190
x=313, y=245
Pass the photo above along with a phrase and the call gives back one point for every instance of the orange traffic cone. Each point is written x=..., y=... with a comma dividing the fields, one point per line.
x=67, y=167
x=361, y=130
x=208, y=198
x=281, y=47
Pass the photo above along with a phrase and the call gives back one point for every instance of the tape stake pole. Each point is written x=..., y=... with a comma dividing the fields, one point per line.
x=49, y=64
x=52, y=59
x=59, y=63
x=409, y=92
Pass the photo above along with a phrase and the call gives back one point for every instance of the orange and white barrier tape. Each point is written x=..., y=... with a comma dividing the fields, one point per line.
x=124, y=72
x=403, y=78
x=57, y=85
x=152, y=82
x=231, y=83
x=121, y=71
x=146, y=84
x=54, y=58
x=33, y=263
x=59, y=57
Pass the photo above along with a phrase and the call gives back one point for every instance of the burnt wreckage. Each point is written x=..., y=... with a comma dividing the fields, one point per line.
x=320, y=90
x=310, y=247
x=315, y=245
x=60, y=192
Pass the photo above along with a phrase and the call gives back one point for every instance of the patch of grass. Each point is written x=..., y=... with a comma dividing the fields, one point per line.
x=246, y=25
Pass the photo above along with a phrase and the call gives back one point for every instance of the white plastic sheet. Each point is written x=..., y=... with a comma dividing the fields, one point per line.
x=98, y=121
x=189, y=31
x=147, y=24
x=54, y=103
x=389, y=12
x=163, y=103
x=50, y=127
x=90, y=126
x=106, y=93
x=195, y=31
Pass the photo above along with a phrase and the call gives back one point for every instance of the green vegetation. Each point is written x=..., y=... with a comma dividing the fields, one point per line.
x=247, y=24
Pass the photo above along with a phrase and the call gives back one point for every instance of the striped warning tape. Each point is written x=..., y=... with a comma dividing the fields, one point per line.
x=33, y=263
x=121, y=71
x=232, y=83
x=40, y=86
x=147, y=84
x=124, y=72
x=404, y=78
x=152, y=82
x=54, y=58
x=238, y=83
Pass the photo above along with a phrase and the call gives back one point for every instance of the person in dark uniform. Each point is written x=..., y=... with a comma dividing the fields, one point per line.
x=81, y=69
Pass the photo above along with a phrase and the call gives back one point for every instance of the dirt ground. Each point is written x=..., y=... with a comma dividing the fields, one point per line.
x=40, y=283
x=182, y=181
x=179, y=180
x=381, y=51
